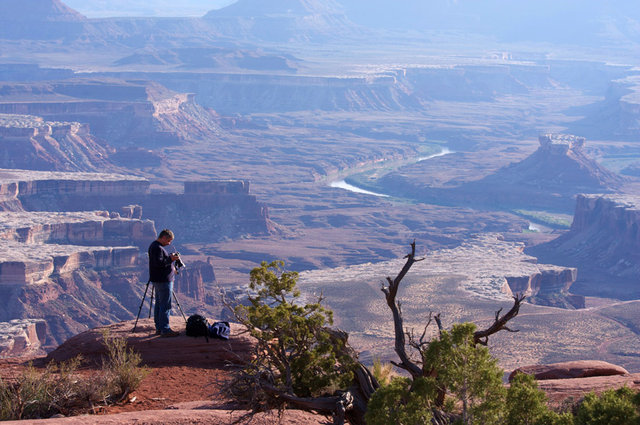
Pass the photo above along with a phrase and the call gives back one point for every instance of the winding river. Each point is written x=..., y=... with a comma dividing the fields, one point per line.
x=342, y=184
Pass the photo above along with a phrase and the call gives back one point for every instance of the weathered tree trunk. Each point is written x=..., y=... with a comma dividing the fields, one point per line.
x=351, y=404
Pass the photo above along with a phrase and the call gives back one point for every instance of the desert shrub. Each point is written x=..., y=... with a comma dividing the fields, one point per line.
x=403, y=402
x=60, y=389
x=121, y=368
x=39, y=394
x=297, y=354
x=30, y=396
x=618, y=407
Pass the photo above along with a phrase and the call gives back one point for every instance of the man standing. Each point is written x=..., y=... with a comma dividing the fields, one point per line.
x=161, y=275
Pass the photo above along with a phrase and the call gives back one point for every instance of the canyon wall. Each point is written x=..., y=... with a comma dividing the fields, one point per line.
x=74, y=244
x=131, y=114
x=30, y=142
x=206, y=211
x=604, y=243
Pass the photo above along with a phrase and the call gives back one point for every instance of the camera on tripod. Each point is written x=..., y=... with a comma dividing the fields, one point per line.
x=178, y=263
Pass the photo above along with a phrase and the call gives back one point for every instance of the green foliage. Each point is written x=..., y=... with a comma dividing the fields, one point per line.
x=297, y=353
x=469, y=373
x=618, y=407
x=527, y=405
x=60, y=389
x=402, y=402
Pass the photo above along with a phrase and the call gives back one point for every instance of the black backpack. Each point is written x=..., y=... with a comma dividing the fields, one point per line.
x=197, y=326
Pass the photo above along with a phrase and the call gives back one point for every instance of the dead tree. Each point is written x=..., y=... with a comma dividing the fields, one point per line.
x=417, y=368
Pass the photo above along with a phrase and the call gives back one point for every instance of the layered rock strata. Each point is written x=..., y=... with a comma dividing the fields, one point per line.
x=122, y=113
x=31, y=142
x=74, y=257
x=26, y=264
x=76, y=228
x=22, y=337
x=18, y=187
x=206, y=211
x=604, y=243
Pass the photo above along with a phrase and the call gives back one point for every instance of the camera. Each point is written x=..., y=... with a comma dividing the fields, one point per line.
x=178, y=263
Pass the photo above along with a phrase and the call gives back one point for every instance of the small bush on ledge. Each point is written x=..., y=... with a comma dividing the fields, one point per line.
x=59, y=389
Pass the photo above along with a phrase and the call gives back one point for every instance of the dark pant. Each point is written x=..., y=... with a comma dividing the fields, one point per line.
x=162, y=309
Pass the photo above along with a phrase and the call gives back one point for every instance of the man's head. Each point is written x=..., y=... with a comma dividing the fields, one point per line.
x=165, y=237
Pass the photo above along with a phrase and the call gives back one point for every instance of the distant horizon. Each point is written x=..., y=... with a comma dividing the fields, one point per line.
x=141, y=8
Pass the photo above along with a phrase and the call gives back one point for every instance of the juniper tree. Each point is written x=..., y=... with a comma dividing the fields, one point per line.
x=299, y=359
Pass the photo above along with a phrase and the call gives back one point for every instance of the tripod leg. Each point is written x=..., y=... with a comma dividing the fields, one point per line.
x=176, y=298
x=141, y=304
x=151, y=300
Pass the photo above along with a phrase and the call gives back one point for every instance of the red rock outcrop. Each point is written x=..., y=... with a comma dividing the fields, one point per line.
x=158, y=351
x=570, y=370
x=194, y=413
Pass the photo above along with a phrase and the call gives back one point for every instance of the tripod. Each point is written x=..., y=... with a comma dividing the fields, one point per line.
x=151, y=304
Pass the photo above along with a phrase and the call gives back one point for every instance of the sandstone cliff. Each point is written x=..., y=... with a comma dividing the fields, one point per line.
x=30, y=142
x=121, y=113
x=604, y=243
x=206, y=211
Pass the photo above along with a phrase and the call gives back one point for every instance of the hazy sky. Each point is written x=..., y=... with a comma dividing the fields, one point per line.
x=110, y=8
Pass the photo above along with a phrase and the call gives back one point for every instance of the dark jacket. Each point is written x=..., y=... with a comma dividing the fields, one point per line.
x=160, y=264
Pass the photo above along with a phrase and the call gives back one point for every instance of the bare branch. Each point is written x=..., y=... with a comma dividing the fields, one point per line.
x=390, y=293
x=500, y=323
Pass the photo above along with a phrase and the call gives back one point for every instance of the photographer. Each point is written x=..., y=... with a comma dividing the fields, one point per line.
x=161, y=275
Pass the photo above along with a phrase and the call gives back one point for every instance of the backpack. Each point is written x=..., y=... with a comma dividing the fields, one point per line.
x=197, y=326
x=219, y=330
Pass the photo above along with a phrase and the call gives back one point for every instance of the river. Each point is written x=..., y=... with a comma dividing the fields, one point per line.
x=342, y=184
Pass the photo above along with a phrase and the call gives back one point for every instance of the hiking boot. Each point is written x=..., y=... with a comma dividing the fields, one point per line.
x=169, y=334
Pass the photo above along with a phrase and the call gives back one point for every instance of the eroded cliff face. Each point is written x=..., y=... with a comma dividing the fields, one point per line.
x=30, y=142
x=604, y=243
x=76, y=268
x=118, y=112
